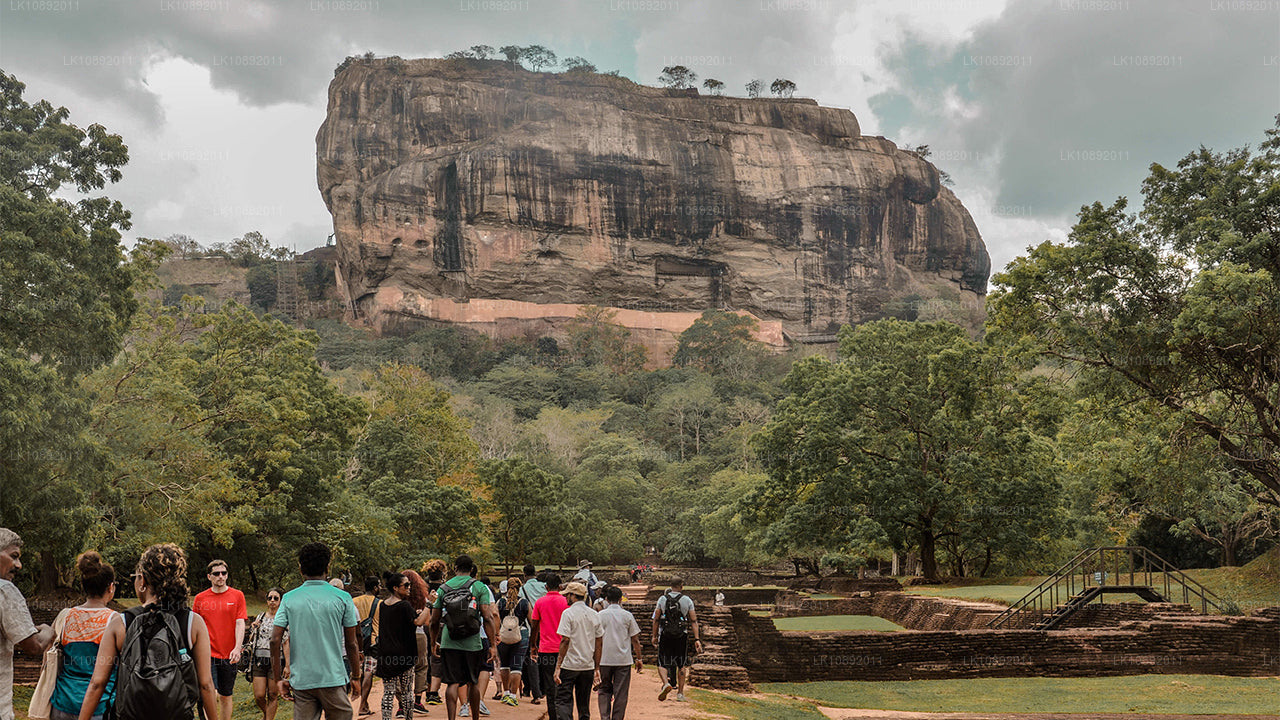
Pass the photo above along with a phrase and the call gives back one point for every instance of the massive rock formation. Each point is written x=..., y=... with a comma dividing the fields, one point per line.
x=478, y=192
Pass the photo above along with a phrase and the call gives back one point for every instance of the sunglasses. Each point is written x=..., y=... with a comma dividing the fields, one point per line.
x=272, y=598
x=218, y=572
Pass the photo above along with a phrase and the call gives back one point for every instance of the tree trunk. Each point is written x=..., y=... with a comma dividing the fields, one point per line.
x=1229, y=552
x=986, y=563
x=253, y=578
x=48, y=574
x=928, y=554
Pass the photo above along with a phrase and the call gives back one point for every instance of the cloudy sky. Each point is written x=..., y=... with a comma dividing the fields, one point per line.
x=1034, y=107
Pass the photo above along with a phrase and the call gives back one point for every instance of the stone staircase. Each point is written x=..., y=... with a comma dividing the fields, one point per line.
x=718, y=666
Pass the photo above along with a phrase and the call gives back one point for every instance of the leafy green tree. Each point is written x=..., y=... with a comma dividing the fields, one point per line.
x=918, y=430
x=687, y=414
x=713, y=86
x=577, y=64
x=67, y=297
x=481, y=52
x=782, y=87
x=1179, y=305
x=528, y=523
x=595, y=339
x=537, y=57
x=720, y=342
x=263, y=285
x=511, y=53
x=677, y=76
x=417, y=461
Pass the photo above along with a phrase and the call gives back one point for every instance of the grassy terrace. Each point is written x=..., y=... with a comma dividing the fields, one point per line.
x=830, y=623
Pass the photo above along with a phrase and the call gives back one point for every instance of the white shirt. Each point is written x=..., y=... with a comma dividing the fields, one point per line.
x=619, y=627
x=15, y=626
x=581, y=625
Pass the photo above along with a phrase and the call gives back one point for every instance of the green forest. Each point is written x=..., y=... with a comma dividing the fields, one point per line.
x=1126, y=389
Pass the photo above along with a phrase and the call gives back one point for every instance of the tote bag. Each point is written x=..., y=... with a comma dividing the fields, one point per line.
x=42, y=700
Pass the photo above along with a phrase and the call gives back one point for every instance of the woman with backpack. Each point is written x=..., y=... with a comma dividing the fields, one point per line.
x=82, y=631
x=513, y=639
x=161, y=636
x=260, y=670
x=397, y=646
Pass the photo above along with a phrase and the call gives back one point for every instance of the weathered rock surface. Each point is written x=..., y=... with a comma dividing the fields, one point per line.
x=454, y=181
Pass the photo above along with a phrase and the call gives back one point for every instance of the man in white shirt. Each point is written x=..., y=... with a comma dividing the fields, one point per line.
x=620, y=648
x=16, y=627
x=581, y=637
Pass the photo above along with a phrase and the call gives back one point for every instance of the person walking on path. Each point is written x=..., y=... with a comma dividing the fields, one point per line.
x=463, y=604
x=223, y=609
x=264, y=690
x=434, y=571
x=513, y=640
x=83, y=628
x=398, y=646
x=588, y=579
x=675, y=623
x=321, y=620
x=419, y=592
x=531, y=591
x=365, y=605
x=579, y=655
x=544, y=622
x=160, y=581
x=619, y=651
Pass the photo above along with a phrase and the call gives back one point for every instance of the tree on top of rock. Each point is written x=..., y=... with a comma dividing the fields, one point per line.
x=754, y=87
x=677, y=76
x=713, y=86
x=782, y=87
x=577, y=64
x=511, y=53
x=537, y=57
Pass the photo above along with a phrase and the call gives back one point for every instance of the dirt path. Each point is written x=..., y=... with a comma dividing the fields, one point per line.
x=642, y=705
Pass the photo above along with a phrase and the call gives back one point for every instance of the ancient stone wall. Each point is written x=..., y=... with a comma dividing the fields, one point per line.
x=1218, y=645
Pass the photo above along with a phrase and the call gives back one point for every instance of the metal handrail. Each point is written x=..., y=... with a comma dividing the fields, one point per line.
x=1111, y=556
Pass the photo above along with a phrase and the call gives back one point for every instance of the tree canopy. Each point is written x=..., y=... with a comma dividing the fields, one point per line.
x=1178, y=304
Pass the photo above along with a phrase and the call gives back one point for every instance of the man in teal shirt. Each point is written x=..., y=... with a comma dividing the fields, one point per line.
x=461, y=658
x=320, y=619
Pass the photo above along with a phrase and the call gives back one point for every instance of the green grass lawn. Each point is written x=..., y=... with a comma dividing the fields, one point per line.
x=827, y=623
x=1002, y=594
x=743, y=708
x=1156, y=694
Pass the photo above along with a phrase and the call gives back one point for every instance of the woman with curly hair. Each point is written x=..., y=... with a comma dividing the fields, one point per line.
x=434, y=570
x=161, y=583
x=397, y=647
x=418, y=593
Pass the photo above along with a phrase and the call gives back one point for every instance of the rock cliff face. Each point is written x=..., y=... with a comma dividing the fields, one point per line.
x=523, y=195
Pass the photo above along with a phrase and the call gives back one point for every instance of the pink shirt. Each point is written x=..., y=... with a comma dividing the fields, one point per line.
x=547, y=612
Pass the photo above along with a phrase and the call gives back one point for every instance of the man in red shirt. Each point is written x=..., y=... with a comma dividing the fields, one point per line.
x=544, y=638
x=223, y=610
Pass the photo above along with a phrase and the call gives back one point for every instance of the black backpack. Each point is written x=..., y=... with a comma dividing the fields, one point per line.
x=461, y=614
x=156, y=674
x=366, y=631
x=675, y=624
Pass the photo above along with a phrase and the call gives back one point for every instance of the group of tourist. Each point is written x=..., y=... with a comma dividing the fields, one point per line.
x=321, y=648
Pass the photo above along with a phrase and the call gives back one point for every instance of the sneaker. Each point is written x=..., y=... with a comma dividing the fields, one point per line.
x=666, y=690
x=483, y=710
x=465, y=711
x=680, y=697
x=510, y=700
x=433, y=698
x=419, y=707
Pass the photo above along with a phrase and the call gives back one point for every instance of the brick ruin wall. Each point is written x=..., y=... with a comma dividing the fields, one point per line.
x=1165, y=644
x=921, y=612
